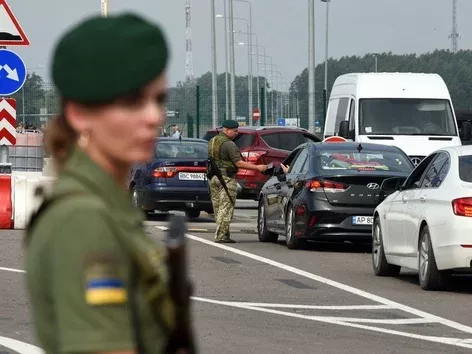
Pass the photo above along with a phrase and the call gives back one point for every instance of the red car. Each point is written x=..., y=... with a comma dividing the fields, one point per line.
x=263, y=145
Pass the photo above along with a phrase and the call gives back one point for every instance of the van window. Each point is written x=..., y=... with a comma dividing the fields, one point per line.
x=341, y=112
x=352, y=115
x=331, y=116
x=400, y=116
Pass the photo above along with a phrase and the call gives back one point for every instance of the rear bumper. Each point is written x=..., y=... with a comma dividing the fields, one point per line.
x=453, y=257
x=251, y=183
x=166, y=198
x=336, y=223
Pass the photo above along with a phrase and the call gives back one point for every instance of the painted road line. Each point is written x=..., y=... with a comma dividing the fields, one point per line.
x=309, y=307
x=12, y=270
x=428, y=316
x=18, y=346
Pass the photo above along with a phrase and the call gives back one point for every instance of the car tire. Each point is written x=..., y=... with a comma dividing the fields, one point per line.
x=379, y=261
x=291, y=240
x=192, y=213
x=430, y=277
x=263, y=234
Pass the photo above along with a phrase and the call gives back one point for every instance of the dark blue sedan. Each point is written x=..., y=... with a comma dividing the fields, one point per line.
x=174, y=179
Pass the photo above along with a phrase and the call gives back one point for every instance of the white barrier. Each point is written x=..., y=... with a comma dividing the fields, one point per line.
x=24, y=200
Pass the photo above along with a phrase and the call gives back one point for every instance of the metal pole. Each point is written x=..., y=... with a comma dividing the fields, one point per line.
x=325, y=98
x=214, y=67
x=249, y=77
x=198, y=111
x=104, y=8
x=226, y=61
x=376, y=64
x=232, y=64
x=250, y=64
x=311, y=66
x=23, y=103
x=258, y=82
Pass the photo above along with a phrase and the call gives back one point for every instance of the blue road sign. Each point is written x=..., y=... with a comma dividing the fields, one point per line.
x=12, y=72
x=281, y=122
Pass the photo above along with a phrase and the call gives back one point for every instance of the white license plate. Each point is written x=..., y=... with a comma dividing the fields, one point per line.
x=185, y=176
x=362, y=220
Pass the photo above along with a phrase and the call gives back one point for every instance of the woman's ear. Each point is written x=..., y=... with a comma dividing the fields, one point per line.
x=77, y=116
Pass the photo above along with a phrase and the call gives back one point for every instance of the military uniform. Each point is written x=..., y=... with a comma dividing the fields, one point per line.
x=226, y=155
x=96, y=282
x=79, y=268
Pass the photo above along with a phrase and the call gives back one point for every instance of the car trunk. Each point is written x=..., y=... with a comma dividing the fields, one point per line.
x=181, y=173
x=349, y=190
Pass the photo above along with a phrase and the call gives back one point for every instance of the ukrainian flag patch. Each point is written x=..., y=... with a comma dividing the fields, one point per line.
x=103, y=285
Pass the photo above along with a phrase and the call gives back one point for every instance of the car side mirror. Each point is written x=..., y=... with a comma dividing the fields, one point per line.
x=466, y=131
x=344, y=129
x=278, y=171
x=391, y=184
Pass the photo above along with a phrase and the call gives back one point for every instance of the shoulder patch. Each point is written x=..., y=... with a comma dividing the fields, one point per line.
x=103, y=283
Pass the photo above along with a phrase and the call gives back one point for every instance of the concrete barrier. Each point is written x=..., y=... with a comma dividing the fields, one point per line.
x=25, y=202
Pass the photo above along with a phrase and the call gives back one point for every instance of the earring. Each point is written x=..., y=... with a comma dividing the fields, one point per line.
x=83, y=140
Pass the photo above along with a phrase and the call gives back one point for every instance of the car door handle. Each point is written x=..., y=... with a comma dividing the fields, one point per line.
x=423, y=198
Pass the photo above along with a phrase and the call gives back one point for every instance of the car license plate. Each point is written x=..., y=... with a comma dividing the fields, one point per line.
x=186, y=176
x=362, y=220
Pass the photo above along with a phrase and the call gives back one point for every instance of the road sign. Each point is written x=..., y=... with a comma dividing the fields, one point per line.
x=7, y=121
x=335, y=139
x=256, y=114
x=11, y=32
x=12, y=72
x=281, y=122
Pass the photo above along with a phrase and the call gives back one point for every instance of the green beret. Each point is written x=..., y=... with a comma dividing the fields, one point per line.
x=104, y=58
x=230, y=124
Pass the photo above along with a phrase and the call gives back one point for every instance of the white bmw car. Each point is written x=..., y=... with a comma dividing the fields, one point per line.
x=425, y=223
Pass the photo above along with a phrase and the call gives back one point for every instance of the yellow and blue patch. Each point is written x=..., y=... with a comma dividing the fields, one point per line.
x=111, y=291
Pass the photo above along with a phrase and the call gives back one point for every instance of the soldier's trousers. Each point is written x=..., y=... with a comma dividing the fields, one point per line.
x=223, y=207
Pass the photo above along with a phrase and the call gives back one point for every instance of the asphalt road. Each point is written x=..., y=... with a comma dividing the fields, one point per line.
x=263, y=298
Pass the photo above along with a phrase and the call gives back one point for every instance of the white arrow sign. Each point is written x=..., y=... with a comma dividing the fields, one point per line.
x=12, y=74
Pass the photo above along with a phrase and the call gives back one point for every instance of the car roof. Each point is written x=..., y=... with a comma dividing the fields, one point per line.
x=350, y=146
x=253, y=129
x=194, y=140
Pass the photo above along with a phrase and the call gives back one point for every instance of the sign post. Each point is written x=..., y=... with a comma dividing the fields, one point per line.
x=256, y=114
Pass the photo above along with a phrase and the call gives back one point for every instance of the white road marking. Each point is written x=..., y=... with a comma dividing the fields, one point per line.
x=12, y=270
x=308, y=307
x=18, y=346
x=422, y=314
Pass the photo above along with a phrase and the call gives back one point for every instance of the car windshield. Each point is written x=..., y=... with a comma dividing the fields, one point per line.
x=242, y=140
x=181, y=149
x=465, y=168
x=399, y=116
x=355, y=162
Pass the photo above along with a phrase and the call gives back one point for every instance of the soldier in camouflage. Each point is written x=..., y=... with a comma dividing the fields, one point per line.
x=228, y=159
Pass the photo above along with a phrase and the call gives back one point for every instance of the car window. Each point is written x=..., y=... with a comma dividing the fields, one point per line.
x=307, y=138
x=436, y=172
x=465, y=168
x=291, y=157
x=300, y=162
x=181, y=149
x=271, y=139
x=355, y=162
x=209, y=135
x=341, y=112
x=244, y=140
x=414, y=180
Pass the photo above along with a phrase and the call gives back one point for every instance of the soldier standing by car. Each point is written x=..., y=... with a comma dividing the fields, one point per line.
x=223, y=186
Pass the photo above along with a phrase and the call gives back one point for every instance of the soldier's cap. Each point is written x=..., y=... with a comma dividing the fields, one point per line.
x=104, y=58
x=230, y=124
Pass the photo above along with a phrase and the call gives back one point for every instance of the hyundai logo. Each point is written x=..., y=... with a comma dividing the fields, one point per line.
x=416, y=161
x=373, y=186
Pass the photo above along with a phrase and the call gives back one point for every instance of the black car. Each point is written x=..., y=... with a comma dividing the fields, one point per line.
x=329, y=193
x=175, y=179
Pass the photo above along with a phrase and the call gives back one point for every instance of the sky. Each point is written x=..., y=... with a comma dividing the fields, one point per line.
x=356, y=27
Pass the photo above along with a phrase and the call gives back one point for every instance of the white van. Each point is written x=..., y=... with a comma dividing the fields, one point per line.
x=411, y=111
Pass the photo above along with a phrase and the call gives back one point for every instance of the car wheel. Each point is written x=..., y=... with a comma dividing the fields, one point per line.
x=379, y=261
x=264, y=235
x=430, y=277
x=292, y=241
x=192, y=213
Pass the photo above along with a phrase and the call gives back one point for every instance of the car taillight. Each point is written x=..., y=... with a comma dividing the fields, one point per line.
x=253, y=156
x=462, y=206
x=328, y=186
x=164, y=172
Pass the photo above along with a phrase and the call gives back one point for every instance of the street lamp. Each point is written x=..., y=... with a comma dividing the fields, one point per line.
x=325, y=91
